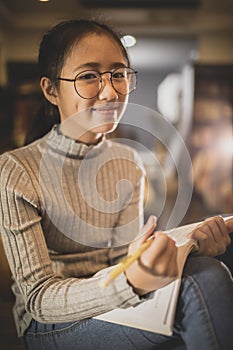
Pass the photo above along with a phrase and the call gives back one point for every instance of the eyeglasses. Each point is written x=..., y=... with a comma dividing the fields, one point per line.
x=89, y=82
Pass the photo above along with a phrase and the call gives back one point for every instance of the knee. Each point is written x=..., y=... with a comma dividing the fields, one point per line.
x=208, y=270
x=209, y=281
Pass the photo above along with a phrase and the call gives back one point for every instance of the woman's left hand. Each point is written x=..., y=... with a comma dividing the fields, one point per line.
x=212, y=236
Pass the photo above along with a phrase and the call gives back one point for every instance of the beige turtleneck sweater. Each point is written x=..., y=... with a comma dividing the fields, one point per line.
x=67, y=213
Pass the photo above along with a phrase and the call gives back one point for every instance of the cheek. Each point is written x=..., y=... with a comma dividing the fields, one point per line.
x=84, y=105
x=124, y=101
x=72, y=104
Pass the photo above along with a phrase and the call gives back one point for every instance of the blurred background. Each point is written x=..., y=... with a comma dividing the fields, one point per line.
x=183, y=52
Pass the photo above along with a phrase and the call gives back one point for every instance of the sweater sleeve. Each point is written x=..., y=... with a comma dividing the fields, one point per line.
x=48, y=297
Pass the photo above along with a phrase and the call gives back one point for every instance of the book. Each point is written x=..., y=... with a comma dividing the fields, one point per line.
x=157, y=313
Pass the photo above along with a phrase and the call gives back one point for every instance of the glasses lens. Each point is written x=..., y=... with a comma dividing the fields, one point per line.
x=124, y=80
x=88, y=84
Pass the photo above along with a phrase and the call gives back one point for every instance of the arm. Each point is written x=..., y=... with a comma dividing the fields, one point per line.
x=48, y=297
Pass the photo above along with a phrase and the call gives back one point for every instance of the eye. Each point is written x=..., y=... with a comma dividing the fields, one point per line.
x=119, y=75
x=87, y=75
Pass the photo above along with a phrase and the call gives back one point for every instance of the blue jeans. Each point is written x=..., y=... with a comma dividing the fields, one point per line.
x=204, y=319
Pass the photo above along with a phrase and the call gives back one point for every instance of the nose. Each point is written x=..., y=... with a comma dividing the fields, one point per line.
x=107, y=92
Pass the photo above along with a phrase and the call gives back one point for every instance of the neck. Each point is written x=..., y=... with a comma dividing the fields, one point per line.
x=72, y=131
x=90, y=140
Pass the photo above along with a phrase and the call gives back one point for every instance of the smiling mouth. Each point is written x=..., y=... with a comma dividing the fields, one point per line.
x=106, y=109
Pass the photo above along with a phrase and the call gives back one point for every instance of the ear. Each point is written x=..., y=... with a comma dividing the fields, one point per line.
x=48, y=90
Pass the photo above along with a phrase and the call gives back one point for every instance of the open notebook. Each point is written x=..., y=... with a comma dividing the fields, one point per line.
x=157, y=313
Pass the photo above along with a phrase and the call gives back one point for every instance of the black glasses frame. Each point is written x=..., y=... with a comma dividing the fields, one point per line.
x=100, y=75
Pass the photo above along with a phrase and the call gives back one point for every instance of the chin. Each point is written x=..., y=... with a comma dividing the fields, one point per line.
x=105, y=128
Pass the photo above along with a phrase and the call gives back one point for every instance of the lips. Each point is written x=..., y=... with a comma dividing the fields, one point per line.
x=107, y=109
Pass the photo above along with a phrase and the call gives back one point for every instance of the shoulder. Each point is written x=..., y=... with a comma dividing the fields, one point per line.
x=21, y=160
x=19, y=175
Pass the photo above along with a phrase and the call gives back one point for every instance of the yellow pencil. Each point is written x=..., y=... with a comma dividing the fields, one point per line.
x=126, y=262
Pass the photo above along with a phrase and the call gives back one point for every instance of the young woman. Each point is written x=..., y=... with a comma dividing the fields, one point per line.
x=64, y=228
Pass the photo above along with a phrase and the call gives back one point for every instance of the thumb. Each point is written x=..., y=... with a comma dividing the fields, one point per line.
x=149, y=227
x=229, y=225
x=144, y=234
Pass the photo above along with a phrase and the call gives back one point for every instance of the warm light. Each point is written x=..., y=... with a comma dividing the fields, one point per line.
x=169, y=97
x=226, y=145
x=44, y=0
x=128, y=40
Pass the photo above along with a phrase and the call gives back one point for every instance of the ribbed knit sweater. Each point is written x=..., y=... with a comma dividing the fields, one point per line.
x=67, y=214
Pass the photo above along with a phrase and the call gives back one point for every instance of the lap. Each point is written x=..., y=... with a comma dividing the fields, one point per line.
x=93, y=334
x=90, y=334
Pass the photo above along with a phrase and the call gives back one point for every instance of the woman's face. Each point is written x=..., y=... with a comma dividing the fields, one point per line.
x=91, y=117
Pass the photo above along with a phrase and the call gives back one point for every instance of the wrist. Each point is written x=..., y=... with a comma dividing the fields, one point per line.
x=140, y=292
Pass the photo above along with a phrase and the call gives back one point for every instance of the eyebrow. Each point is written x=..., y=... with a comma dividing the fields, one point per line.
x=97, y=65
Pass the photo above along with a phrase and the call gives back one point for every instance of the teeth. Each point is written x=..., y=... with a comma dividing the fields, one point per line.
x=105, y=110
x=113, y=108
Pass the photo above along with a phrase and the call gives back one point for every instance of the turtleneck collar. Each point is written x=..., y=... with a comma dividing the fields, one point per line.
x=69, y=147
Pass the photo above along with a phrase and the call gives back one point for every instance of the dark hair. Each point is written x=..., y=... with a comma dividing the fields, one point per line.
x=55, y=45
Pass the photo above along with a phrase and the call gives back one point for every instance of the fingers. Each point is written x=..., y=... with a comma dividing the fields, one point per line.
x=156, y=267
x=217, y=230
x=160, y=259
x=212, y=236
x=229, y=225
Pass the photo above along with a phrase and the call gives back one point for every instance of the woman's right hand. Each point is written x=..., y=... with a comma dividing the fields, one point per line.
x=157, y=265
